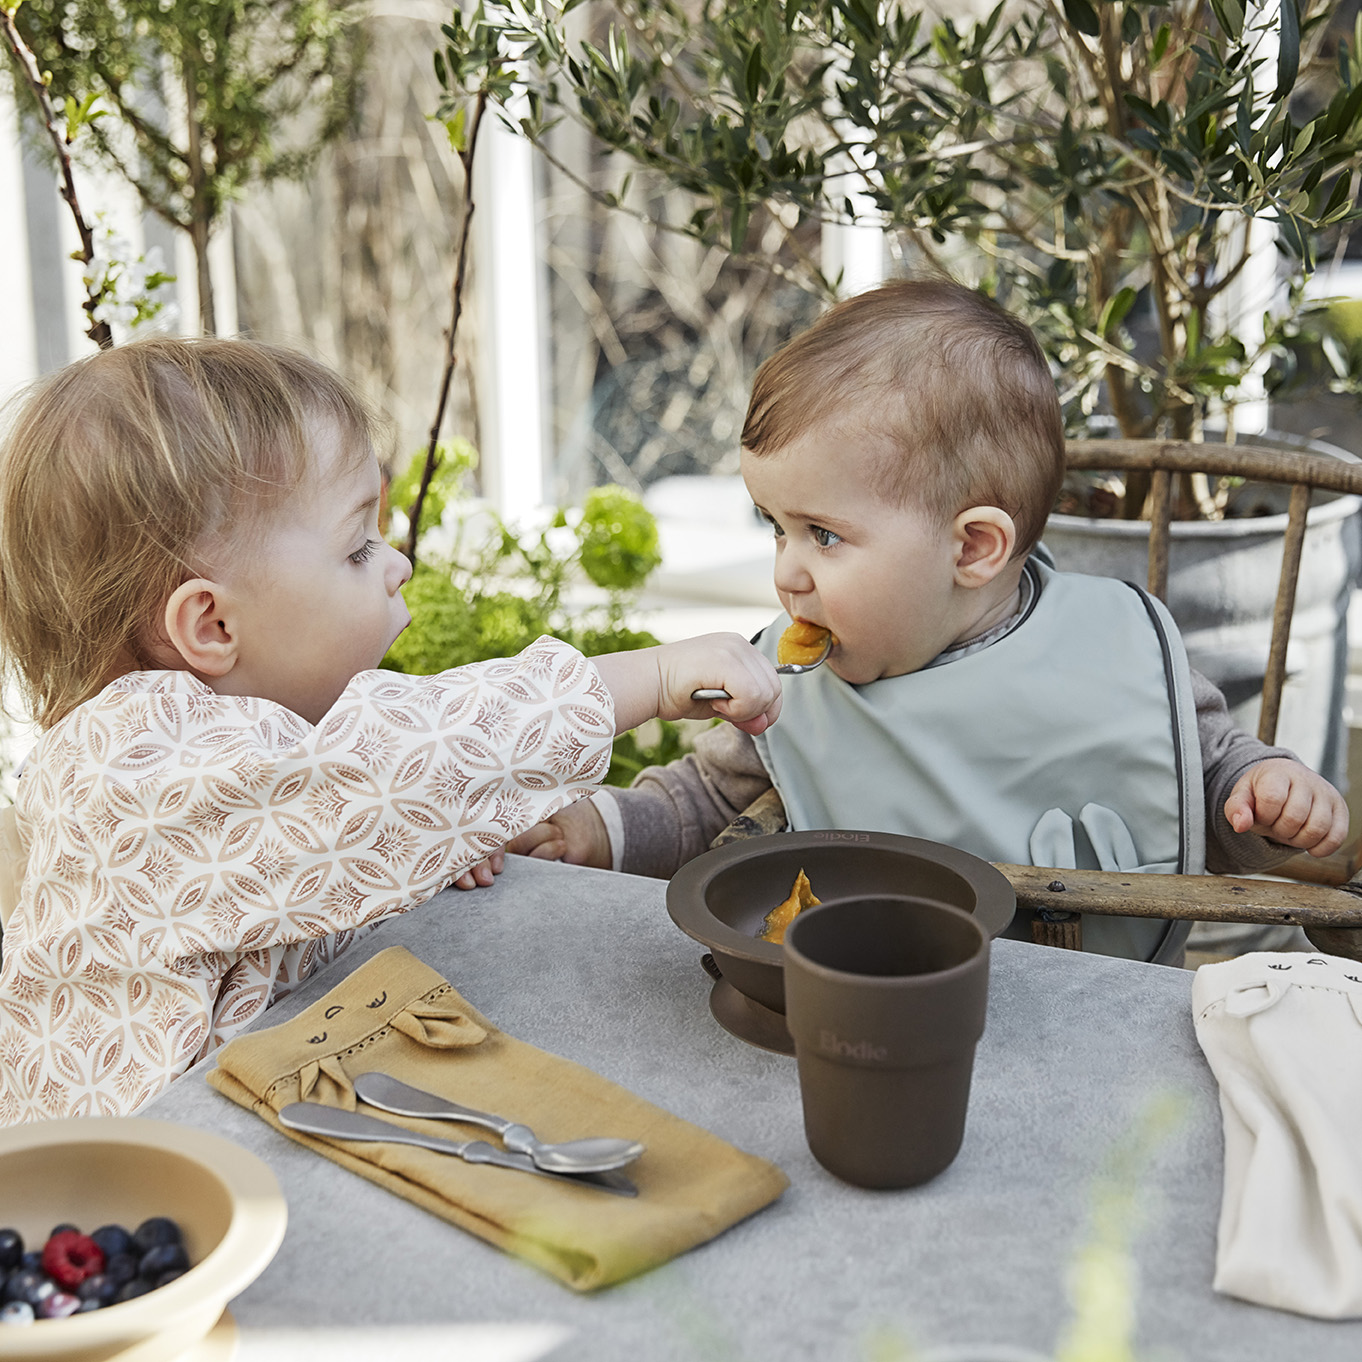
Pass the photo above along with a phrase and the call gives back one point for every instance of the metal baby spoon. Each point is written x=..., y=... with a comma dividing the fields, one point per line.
x=784, y=668
x=598, y=1155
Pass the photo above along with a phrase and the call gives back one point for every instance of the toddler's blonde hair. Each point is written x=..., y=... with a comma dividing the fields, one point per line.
x=121, y=469
x=955, y=386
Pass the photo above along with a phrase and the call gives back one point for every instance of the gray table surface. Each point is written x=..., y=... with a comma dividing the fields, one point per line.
x=588, y=965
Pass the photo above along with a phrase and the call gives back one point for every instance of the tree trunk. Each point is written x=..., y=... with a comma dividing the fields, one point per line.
x=207, y=313
x=200, y=211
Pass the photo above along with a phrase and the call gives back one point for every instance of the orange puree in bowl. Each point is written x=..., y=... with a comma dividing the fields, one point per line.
x=803, y=643
x=780, y=917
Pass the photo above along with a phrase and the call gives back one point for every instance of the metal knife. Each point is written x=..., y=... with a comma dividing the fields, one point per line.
x=335, y=1124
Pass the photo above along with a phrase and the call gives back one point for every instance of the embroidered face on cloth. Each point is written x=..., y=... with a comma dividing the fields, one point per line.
x=1282, y=1032
x=397, y=1015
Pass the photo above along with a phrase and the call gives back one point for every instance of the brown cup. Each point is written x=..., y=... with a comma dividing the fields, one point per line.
x=885, y=998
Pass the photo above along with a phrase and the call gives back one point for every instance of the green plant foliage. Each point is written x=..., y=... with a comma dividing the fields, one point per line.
x=263, y=84
x=1321, y=349
x=455, y=460
x=1096, y=165
x=500, y=589
x=450, y=628
x=618, y=538
x=654, y=744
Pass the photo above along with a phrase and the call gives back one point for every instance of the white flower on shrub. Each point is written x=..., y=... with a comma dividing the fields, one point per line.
x=561, y=541
x=133, y=290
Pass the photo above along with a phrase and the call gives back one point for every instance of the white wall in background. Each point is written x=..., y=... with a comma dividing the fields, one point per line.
x=856, y=252
x=510, y=294
x=1257, y=289
x=18, y=343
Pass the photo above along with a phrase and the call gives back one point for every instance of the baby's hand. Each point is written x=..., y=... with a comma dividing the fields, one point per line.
x=575, y=834
x=480, y=876
x=656, y=683
x=1291, y=804
x=719, y=662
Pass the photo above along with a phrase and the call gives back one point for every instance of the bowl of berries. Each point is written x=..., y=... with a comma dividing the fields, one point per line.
x=121, y=1235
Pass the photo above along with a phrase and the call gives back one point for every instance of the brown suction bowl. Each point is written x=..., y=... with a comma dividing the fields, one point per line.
x=721, y=897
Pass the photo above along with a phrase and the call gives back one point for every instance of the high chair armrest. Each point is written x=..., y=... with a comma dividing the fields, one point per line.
x=1202, y=898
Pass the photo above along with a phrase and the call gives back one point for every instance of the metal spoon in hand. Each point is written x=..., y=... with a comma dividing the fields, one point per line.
x=784, y=668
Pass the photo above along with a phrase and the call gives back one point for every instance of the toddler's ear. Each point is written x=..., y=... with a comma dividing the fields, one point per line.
x=983, y=537
x=199, y=629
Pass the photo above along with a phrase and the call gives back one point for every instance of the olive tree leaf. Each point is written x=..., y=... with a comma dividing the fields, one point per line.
x=1289, y=48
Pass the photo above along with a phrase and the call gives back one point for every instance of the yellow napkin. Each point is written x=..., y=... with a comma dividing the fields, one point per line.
x=398, y=1015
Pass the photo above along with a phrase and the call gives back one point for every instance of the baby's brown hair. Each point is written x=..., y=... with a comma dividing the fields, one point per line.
x=117, y=474
x=955, y=385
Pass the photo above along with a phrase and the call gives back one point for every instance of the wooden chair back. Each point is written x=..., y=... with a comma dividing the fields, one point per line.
x=1329, y=910
x=1164, y=459
x=1331, y=916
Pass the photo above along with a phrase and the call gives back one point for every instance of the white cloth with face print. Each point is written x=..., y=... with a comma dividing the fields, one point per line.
x=1283, y=1035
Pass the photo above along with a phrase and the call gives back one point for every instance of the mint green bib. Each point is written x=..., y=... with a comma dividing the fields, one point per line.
x=1070, y=742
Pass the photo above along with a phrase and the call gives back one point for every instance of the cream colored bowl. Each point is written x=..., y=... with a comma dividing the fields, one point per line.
x=93, y=1171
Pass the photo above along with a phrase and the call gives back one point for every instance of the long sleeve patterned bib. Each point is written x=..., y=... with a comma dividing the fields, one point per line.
x=192, y=857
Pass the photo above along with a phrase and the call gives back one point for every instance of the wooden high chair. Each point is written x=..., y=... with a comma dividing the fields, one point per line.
x=1329, y=907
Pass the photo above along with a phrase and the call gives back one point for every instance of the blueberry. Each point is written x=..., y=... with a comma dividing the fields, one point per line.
x=101, y=1288
x=167, y=1277
x=11, y=1249
x=32, y=1259
x=29, y=1284
x=156, y=1231
x=16, y=1312
x=58, y=1305
x=87, y=1305
x=113, y=1239
x=121, y=1268
x=130, y=1291
x=162, y=1258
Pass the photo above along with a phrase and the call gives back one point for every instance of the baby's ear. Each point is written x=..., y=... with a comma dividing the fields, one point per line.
x=984, y=537
x=198, y=628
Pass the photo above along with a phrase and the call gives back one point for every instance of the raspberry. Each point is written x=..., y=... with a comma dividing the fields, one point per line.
x=69, y=1257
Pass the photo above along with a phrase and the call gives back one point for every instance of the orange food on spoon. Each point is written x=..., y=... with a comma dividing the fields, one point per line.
x=779, y=918
x=803, y=643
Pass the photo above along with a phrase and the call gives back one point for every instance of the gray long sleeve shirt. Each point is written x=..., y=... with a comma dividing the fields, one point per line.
x=671, y=813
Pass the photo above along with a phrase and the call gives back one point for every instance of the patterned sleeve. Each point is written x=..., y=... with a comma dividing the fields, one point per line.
x=194, y=856
x=405, y=783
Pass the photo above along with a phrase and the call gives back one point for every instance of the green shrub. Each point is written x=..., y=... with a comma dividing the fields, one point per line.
x=500, y=589
x=618, y=537
x=456, y=459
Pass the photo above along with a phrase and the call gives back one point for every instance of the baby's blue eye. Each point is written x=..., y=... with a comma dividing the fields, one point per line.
x=771, y=521
x=362, y=555
x=825, y=539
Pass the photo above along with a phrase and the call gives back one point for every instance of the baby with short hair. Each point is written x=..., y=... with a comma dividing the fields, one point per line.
x=906, y=450
x=194, y=597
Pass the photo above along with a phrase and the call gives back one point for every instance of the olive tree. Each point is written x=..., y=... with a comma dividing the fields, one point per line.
x=207, y=95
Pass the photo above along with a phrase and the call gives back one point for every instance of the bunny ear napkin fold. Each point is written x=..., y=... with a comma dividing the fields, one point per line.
x=398, y=1015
